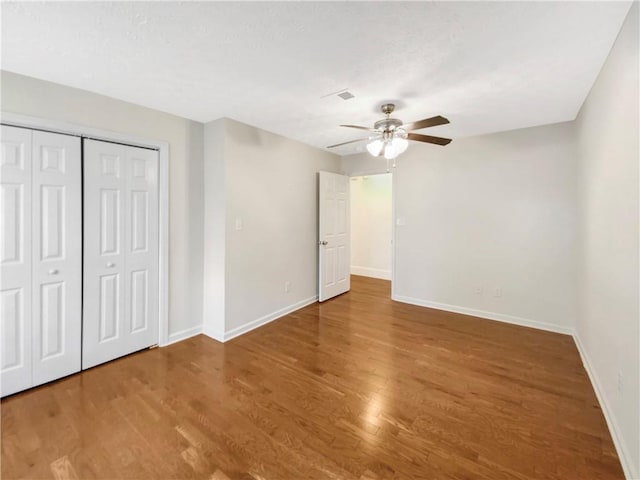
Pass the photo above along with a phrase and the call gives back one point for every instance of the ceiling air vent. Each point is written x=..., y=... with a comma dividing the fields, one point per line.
x=346, y=95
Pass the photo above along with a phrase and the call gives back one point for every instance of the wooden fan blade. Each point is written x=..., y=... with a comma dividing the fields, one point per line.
x=347, y=143
x=360, y=128
x=428, y=139
x=427, y=122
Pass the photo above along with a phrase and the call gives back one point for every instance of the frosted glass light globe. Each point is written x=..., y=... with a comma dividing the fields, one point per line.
x=375, y=147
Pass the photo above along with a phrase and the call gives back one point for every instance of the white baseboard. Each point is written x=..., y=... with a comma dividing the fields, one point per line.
x=183, y=335
x=213, y=333
x=247, y=327
x=500, y=317
x=371, y=272
x=623, y=451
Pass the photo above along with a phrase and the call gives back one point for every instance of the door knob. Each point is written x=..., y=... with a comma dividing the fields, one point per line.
x=111, y=265
x=323, y=242
x=53, y=272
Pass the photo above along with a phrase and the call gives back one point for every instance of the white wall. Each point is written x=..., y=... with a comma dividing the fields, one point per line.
x=271, y=190
x=608, y=321
x=371, y=218
x=495, y=211
x=214, y=242
x=33, y=97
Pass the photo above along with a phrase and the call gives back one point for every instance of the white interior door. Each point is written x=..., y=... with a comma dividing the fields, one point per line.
x=334, y=235
x=121, y=251
x=57, y=257
x=15, y=260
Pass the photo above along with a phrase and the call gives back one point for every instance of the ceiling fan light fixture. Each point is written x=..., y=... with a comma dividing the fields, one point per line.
x=375, y=147
x=400, y=144
x=394, y=147
x=391, y=135
x=390, y=153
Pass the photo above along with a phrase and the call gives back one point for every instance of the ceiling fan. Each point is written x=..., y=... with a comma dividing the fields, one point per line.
x=391, y=135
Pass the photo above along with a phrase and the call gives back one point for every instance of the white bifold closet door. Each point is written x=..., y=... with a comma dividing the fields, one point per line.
x=120, y=251
x=40, y=260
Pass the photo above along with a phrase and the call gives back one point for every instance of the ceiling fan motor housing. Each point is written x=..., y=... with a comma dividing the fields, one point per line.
x=387, y=124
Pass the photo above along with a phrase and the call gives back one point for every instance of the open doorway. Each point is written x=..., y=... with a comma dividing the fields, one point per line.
x=372, y=226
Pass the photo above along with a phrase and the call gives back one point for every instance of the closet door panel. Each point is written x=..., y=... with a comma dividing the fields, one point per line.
x=56, y=256
x=15, y=260
x=142, y=246
x=104, y=319
x=121, y=251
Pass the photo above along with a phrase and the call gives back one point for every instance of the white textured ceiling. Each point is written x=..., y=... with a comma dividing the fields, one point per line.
x=487, y=66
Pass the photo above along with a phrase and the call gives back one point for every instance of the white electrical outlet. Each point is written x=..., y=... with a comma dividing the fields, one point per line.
x=497, y=292
x=239, y=224
x=287, y=286
x=479, y=291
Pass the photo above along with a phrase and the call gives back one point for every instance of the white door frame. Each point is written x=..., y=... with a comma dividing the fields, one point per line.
x=57, y=126
x=377, y=171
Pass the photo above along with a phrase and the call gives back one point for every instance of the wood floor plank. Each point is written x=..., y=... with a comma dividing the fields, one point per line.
x=359, y=387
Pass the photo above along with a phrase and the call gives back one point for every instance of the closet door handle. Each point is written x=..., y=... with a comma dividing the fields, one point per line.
x=53, y=272
x=111, y=265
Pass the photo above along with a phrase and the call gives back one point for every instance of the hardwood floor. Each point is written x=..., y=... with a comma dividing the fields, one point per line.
x=359, y=387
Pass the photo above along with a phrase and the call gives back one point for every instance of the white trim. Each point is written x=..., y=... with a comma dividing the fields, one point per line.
x=621, y=448
x=369, y=172
x=183, y=335
x=390, y=273
x=371, y=272
x=213, y=333
x=247, y=327
x=58, y=126
x=500, y=317
x=163, y=250
x=394, y=234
